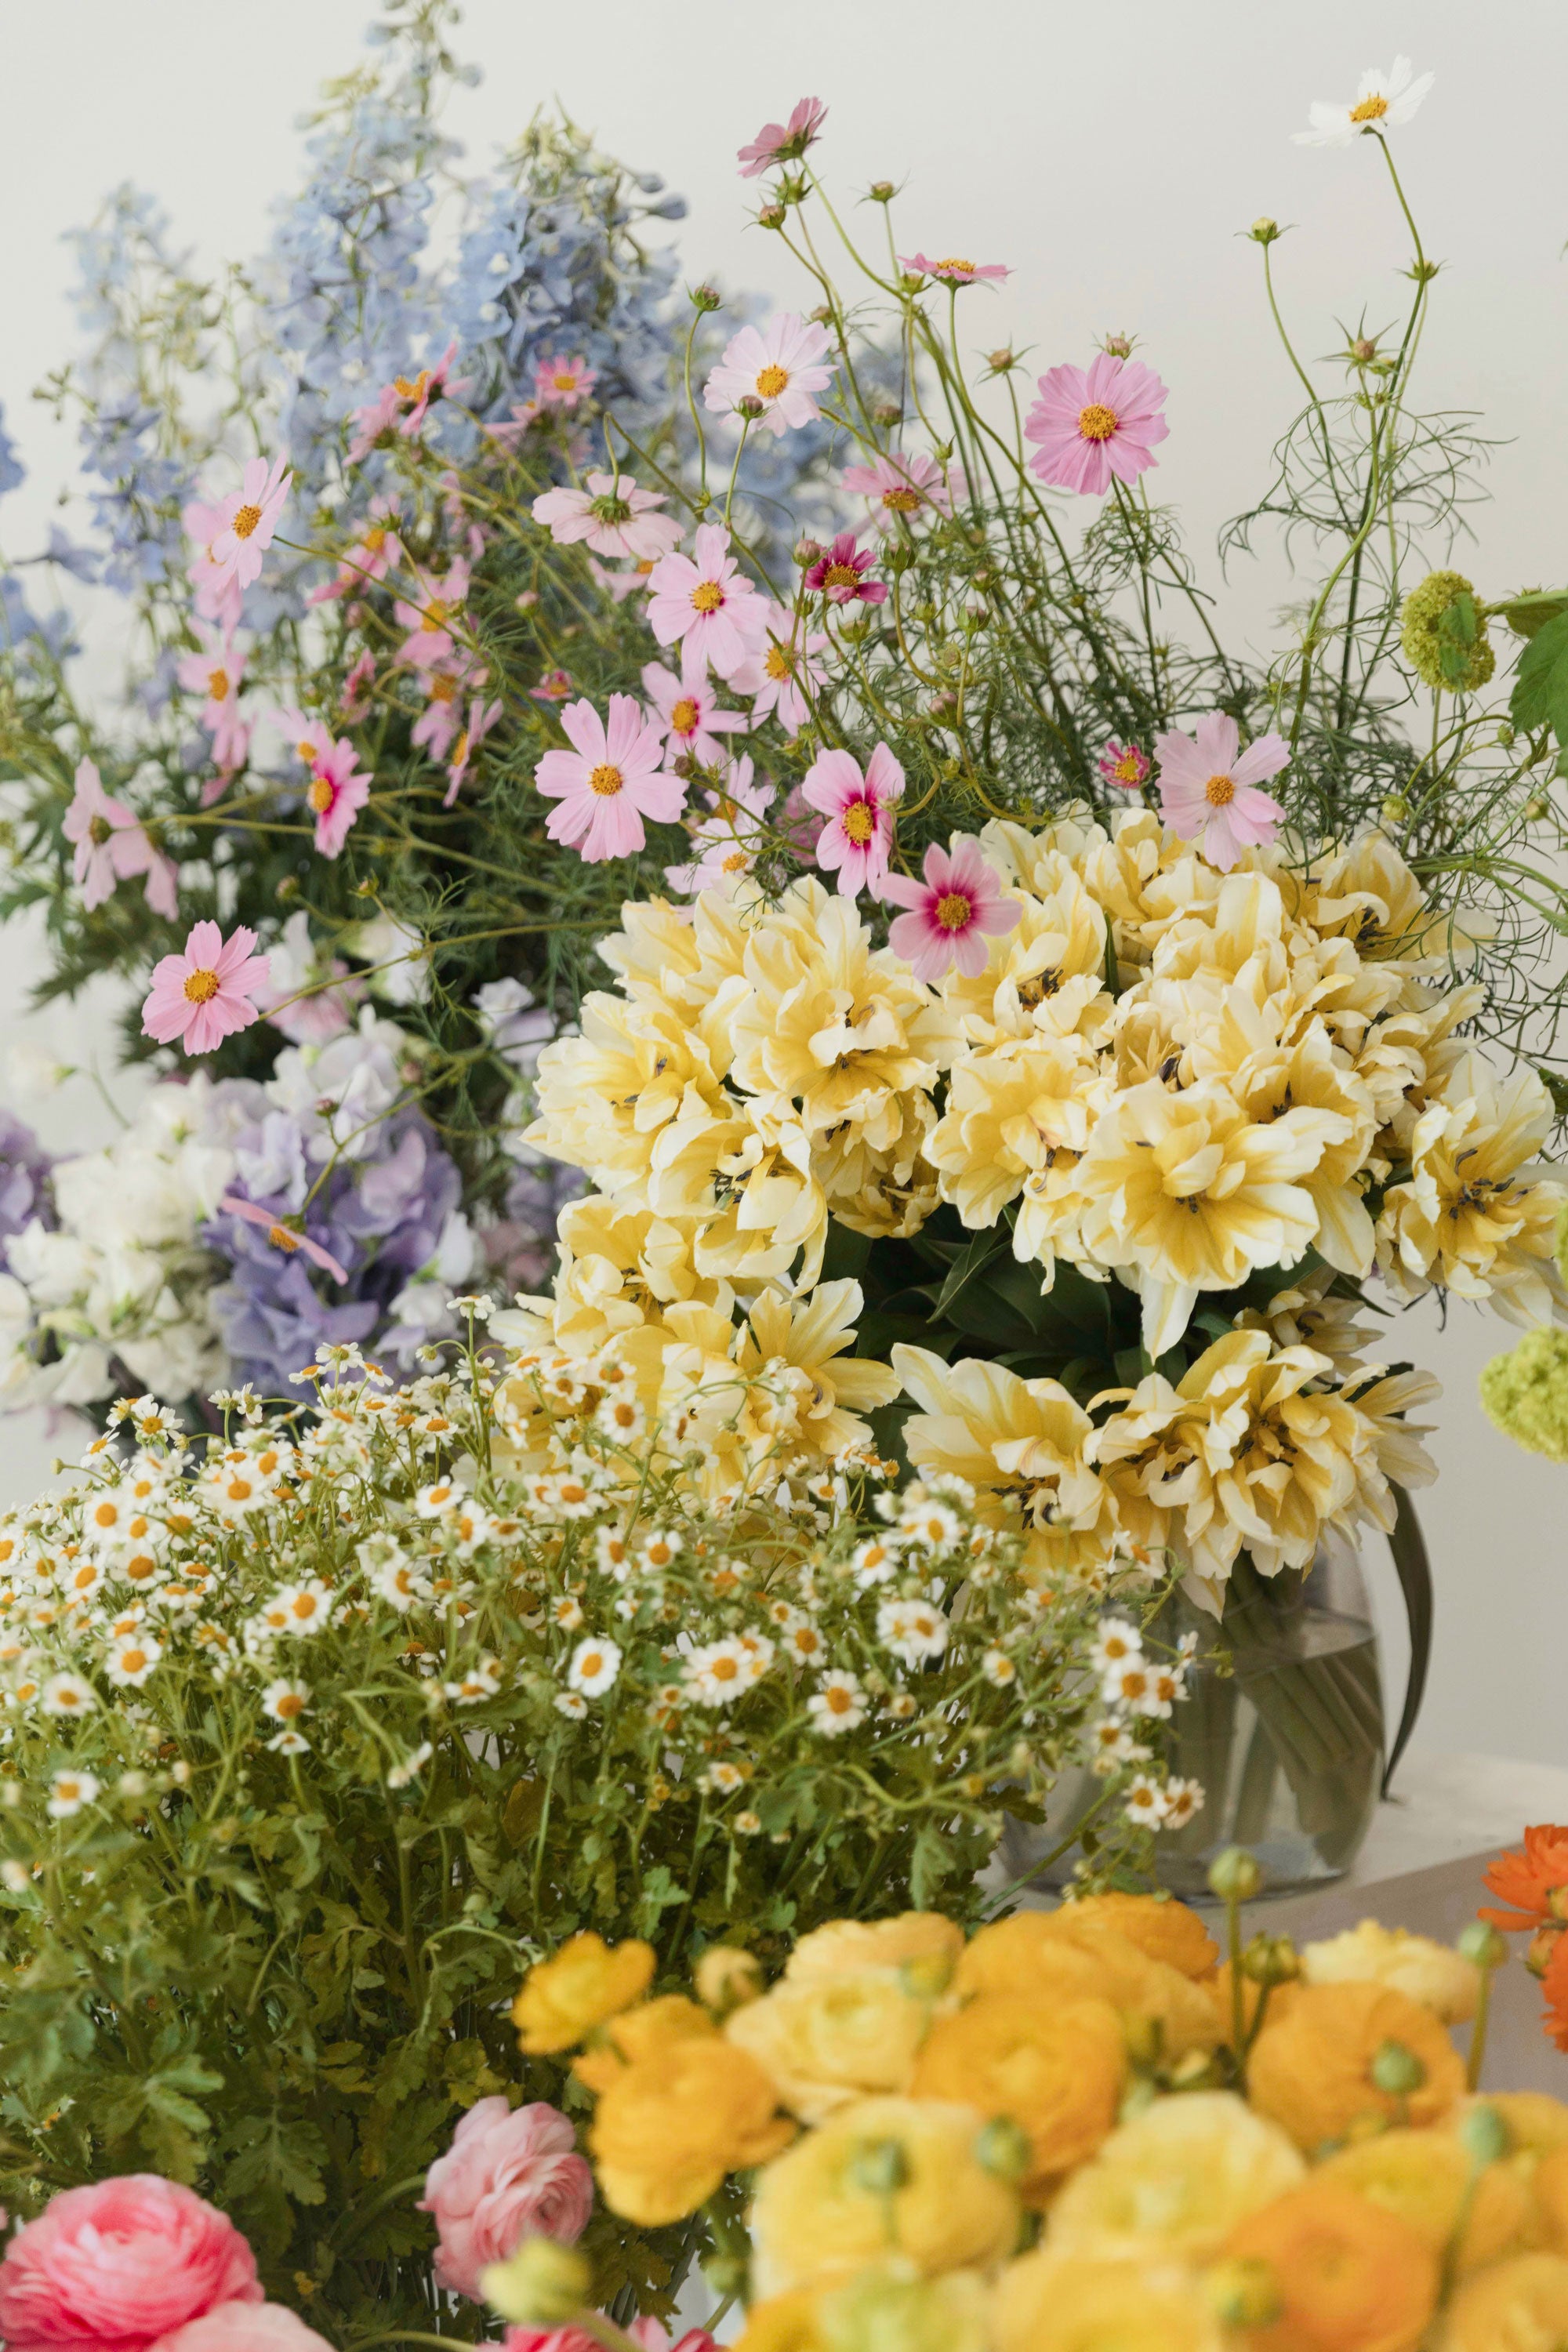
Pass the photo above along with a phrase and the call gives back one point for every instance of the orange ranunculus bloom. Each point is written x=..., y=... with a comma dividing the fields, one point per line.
x=1554, y=1985
x=670, y=2126
x=587, y=1982
x=1349, y=2275
x=1167, y=1930
x=1526, y=1880
x=1314, y=2071
x=1055, y=2068
x=639, y=2032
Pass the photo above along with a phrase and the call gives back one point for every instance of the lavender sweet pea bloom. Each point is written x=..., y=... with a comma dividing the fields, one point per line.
x=25, y=1167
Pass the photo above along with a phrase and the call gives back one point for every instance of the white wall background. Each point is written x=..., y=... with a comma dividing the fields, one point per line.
x=1111, y=155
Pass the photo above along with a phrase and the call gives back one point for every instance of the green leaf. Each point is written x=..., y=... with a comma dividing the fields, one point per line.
x=1529, y=613
x=1541, y=689
x=1458, y=626
x=280, y=2153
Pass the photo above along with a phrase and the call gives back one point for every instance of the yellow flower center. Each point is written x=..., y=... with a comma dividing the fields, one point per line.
x=201, y=987
x=724, y=1670
x=437, y=613
x=105, y=1515
x=1097, y=422
x=1127, y=769
x=99, y=830
x=281, y=1238
x=904, y=501
x=460, y=750
x=606, y=782
x=245, y=521
x=707, y=596
x=684, y=716
x=319, y=794
x=1219, y=792
x=737, y=862
x=859, y=824
x=1370, y=110
x=951, y=264
x=406, y=391
x=375, y=539
x=565, y=381
x=443, y=689
x=218, y=684
x=841, y=575
x=289, y=1707
x=592, y=1665
x=954, y=911
x=771, y=382
x=778, y=663
x=132, y=1661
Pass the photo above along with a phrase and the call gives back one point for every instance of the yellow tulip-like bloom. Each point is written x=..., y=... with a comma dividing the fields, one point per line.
x=605, y=1097
x=1517, y=2306
x=587, y=1982
x=784, y=2323
x=1324, y=2067
x=1042, y=1955
x=1056, y=2070
x=1429, y=2181
x=1175, y=2181
x=1161, y=1927
x=667, y=2130
x=841, y=2039
x=881, y=2179
x=1072, y=2303
x=639, y=2032
x=1011, y=1115
x=809, y=1342
x=923, y=1943
x=1432, y=1973
x=1349, y=2275
x=1045, y=978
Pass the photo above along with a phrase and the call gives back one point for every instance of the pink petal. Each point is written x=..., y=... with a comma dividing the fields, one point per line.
x=1264, y=758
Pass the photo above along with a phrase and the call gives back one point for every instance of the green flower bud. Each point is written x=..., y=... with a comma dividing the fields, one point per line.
x=1244, y=2292
x=542, y=2285
x=1003, y=2148
x=1481, y=1944
x=1234, y=1875
x=749, y=406
x=1395, y=809
x=881, y=192
x=1525, y=1392
x=879, y=2166
x=1397, y=2071
x=1264, y=229
x=1535, y=808
x=1445, y=636
x=1484, y=2135
x=888, y=411
x=771, y=216
x=704, y=298
x=1117, y=347
x=1271, y=1960
x=887, y=2310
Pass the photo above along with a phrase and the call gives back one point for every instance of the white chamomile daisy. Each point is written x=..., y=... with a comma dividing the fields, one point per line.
x=130, y=1662
x=67, y=1695
x=68, y=1792
x=998, y=1667
x=1182, y=1800
x=1117, y=1644
x=593, y=1666
x=718, y=1673
x=286, y=1701
x=913, y=1630
x=1145, y=1801
x=837, y=1706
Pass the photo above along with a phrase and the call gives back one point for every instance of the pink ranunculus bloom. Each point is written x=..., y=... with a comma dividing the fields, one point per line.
x=957, y=905
x=707, y=605
x=482, y=717
x=1095, y=423
x=371, y=557
x=244, y=2327
x=779, y=364
x=1124, y=765
x=859, y=835
x=281, y=1236
x=215, y=672
x=562, y=384
x=111, y=841
x=614, y=516
x=647, y=2333
x=953, y=271
x=901, y=483
x=114, y=2266
x=510, y=2173
x=840, y=574
x=428, y=616
x=1209, y=794
x=250, y=517
x=355, y=702
x=609, y=781
x=555, y=685
x=783, y=142
x=336, y=791
x=203, y=994
x=777, y=678
x=688, y=711
x=419, y=393
x=218, y=594
x=728, y=841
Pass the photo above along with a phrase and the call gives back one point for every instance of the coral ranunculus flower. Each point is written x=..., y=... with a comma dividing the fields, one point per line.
x=1350, y=2276
x=1097, y=425
x=1055, y=2069
x=582, y=1985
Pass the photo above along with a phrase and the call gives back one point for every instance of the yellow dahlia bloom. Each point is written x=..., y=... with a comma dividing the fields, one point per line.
x=888, y=1189
x=1312, y=1074
x=604, y=1097
x=1175, y=2181
x=1047, y=2302
x=761, y=1214
x=824, y=2044
x=618, y=1267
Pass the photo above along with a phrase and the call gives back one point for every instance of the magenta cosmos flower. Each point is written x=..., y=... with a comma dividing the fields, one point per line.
x=859, y=835
x=1095, y=423
x=1124, y=765
x=952, y=911
x=281, y=1236
x=901, y=483
x=840, y=574
x=1209, y=794
x=614, y=516
x=336, y=791
x=111, y=845
x=215, y=672
x=609, y=781
x=688, y=711
x=704, y=603
x=249, y=518
x=779, y=364
x=203, y=995
x=778, y=678
x=783, y=142
x=953, y=271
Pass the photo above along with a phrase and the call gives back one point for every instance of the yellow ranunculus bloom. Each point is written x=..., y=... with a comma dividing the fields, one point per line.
x=1056, y=2070
x=1160, y=1926
x=1074, y=2303
x=584, y=1983
x=1175, y=2181
x=784, y=2322
x=668, y=2130
x=882, y=2179
x=841, y=2038
x=1536, y=2121
x=887, y=2310
x=923, y=1942
x=1430, y=1972
x=1426, y=2178
x=1040, y=1954
x=1311, y=2069
x=639, y=2032
x=1351, y=2275
x=1516, y=2306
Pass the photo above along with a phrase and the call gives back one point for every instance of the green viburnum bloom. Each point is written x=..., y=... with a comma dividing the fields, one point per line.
x=1444, y=634
x=1526, y=1393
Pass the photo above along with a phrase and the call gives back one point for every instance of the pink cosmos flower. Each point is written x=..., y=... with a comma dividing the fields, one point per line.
x=437, y=726
x=375, y=422
x=336, y=791
x=688, y=711
x=355, y=700
x=615, y=518
x=203, y=994
x=952, y=910
x=611, y=779
x=727, y=842
x=555, y=685
x=218, y=594
x=243, y=2328
x=621, y=585
x=111, y=844
x=115, y=2266
x=1095, y=423
x=294, y=1000
x=482, y=717
x=783, y=142
x=371, y=557
x=840, y=572
x=1123, y=765
x=419, y=393
x=1210, y=795
x=952, y=272
x=647, y=2333
x=217, y=672
x=801, y=825
x=563, y=383
x=281, y=1236
x=859, y=834
x=901, y=482
x=440, y=597
x=778, y=677
x=509, y=2174
x=707, y=605
x=779, y=365
x=249, y=518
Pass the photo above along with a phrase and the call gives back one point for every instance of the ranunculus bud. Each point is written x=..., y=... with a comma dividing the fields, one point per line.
x=543, y=2284
x=1271, y=1960
x=728, y=1977
x=1003, y=2147
x=1397, y=2070
x=1484, y=2135
x=1234, y=1875
x=1481, y=1944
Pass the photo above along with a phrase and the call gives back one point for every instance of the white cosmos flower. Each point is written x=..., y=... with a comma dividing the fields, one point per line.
x=68, y=1792
x=838, y=1706
x=1383, y=102
x=593, y=1666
